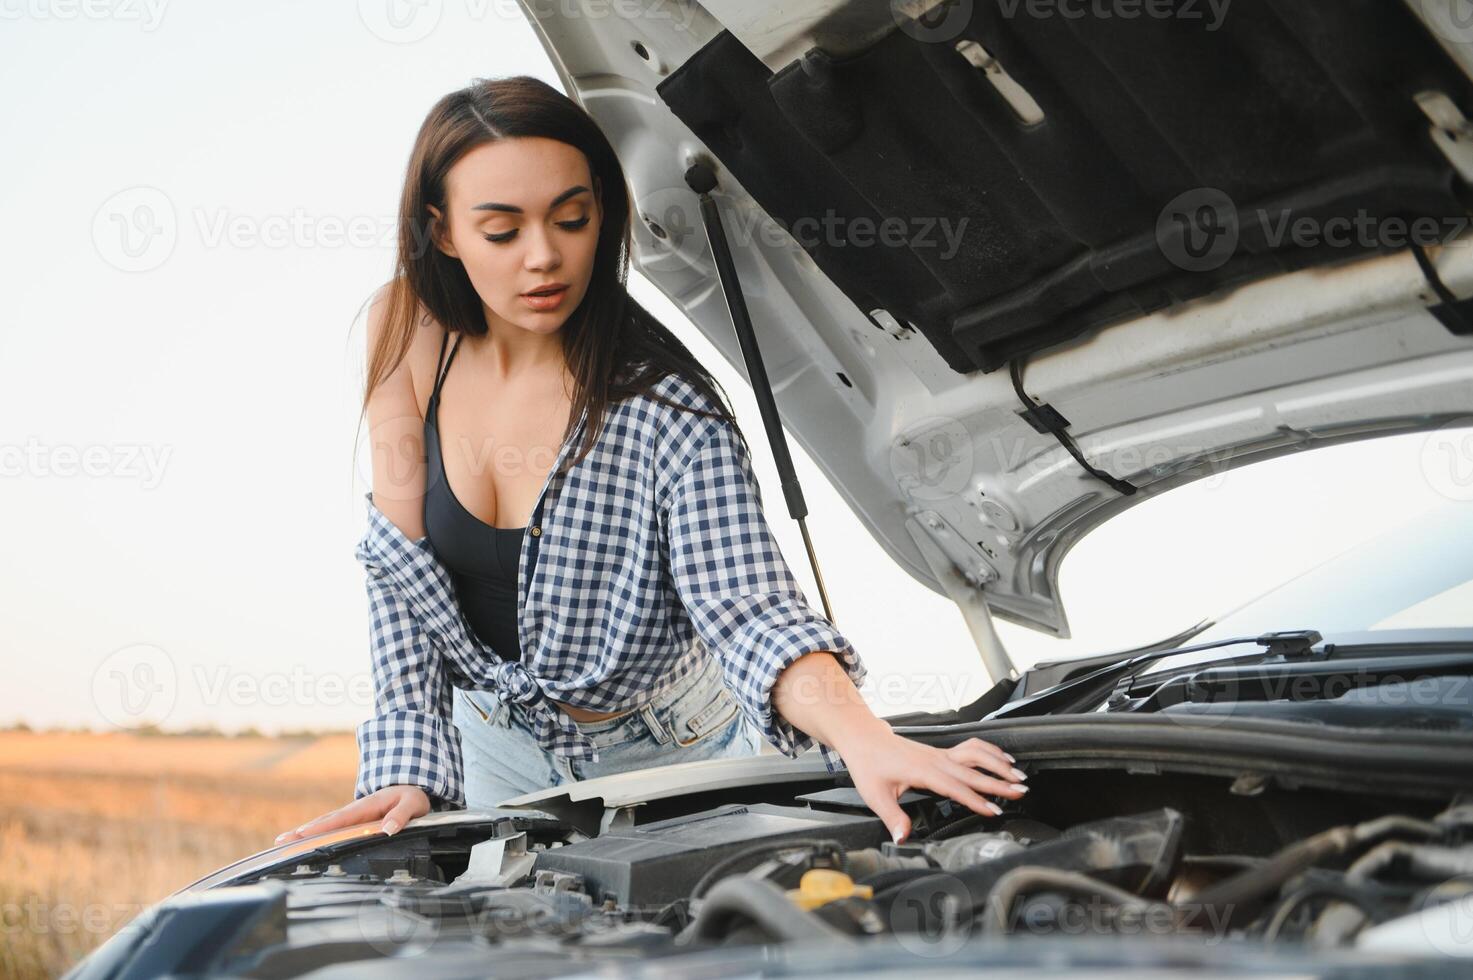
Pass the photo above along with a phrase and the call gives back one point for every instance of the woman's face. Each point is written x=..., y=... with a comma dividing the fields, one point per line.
x=523, y=213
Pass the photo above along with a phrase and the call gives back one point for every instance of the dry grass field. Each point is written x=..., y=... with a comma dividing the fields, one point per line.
x=96, y=827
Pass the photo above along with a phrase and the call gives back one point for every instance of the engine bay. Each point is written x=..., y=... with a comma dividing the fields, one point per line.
x=1196, y=862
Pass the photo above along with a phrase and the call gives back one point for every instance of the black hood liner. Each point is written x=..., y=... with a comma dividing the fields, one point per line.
x=1304, y=105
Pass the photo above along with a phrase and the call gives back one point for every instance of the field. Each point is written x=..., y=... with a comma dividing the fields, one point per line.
x=96, y=827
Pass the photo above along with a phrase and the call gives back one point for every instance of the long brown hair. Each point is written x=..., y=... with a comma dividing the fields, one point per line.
x=614, y=347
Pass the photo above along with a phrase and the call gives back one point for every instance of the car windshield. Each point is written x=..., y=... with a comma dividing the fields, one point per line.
x=1418, y=575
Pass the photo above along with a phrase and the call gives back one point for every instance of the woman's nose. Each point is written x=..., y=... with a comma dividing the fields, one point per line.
x=542, y=252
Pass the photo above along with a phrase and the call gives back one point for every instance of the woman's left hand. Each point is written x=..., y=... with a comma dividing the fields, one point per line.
x=884, y=765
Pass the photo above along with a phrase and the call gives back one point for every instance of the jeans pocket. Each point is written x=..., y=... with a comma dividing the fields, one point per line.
x=698, y=713
x=484, y=706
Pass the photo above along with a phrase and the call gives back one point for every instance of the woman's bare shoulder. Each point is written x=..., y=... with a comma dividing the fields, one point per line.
x=413, y=378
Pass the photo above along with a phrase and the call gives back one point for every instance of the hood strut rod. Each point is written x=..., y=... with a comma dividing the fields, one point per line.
x=702, y=180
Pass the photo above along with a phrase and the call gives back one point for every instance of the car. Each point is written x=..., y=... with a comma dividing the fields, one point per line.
x=1014, y=268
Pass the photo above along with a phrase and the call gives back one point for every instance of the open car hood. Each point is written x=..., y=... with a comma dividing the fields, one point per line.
x=1181, y=242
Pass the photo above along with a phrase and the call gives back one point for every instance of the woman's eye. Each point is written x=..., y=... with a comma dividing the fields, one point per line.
x=507, y=236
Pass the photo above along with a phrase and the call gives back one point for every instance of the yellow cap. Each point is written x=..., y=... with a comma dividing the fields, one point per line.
x=819, y=886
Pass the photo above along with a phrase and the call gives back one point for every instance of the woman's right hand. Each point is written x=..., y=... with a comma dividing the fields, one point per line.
x=396, y=804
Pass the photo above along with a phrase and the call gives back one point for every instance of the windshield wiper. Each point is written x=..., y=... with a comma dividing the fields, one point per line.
x=1085, y=693
x=1307, y=681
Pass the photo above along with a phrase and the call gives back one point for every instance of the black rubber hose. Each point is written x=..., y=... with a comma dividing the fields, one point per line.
x=734, y=901
x=728, y=864
x=1032, y=877
x=1239, y=892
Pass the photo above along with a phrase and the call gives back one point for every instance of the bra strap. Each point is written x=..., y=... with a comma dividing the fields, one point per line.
x=441, y=372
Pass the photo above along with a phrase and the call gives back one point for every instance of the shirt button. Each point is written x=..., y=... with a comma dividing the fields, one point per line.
x=536, y=531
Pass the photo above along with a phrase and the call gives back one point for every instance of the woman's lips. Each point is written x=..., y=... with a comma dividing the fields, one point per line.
x=543, y=303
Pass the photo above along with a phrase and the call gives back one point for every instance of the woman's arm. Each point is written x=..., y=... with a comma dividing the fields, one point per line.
x=409, y=753
x=792, y=672
x=815, y=694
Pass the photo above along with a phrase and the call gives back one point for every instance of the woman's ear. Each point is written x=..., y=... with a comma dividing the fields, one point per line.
x=440, y=233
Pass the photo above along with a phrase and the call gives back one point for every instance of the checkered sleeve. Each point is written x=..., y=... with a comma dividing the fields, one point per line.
x=410, y=740
x=740, y=594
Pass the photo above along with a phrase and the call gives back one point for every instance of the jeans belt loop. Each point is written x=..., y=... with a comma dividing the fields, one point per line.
x=657, y=728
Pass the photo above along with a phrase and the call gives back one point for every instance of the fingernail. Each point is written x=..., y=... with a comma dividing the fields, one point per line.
x=1020, y=787
x=996, y=810
x=896, y=832
x=1010, y=757
x=281, y=836
x=1019, y=775
x=391, y=826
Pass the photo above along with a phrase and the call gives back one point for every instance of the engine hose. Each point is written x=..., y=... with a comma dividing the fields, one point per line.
x=1240, y=891
x=1250, y=885
x=882, y=881
x=1340, y=919
x=733, y=901
x=1032, y=877
x=728, y=863
x=1298, y=898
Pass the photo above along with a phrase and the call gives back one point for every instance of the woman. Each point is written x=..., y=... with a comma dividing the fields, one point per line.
x=609, y=596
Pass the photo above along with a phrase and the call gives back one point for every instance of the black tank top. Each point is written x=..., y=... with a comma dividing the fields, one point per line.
x=482, y=559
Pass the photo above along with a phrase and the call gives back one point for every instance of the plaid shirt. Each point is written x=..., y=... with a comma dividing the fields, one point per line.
x=649, y=554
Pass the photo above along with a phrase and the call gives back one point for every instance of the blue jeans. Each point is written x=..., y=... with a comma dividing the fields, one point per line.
x=697, y=719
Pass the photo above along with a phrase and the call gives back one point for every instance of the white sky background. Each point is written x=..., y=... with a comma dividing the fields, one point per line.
x=220, y=556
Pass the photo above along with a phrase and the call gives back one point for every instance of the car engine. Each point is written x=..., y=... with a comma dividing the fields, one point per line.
x=1195, y=862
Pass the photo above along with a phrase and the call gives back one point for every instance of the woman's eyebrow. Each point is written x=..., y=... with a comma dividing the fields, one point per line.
x=493, y=206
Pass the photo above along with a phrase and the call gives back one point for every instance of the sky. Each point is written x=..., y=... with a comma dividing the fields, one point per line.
x=199, y=198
